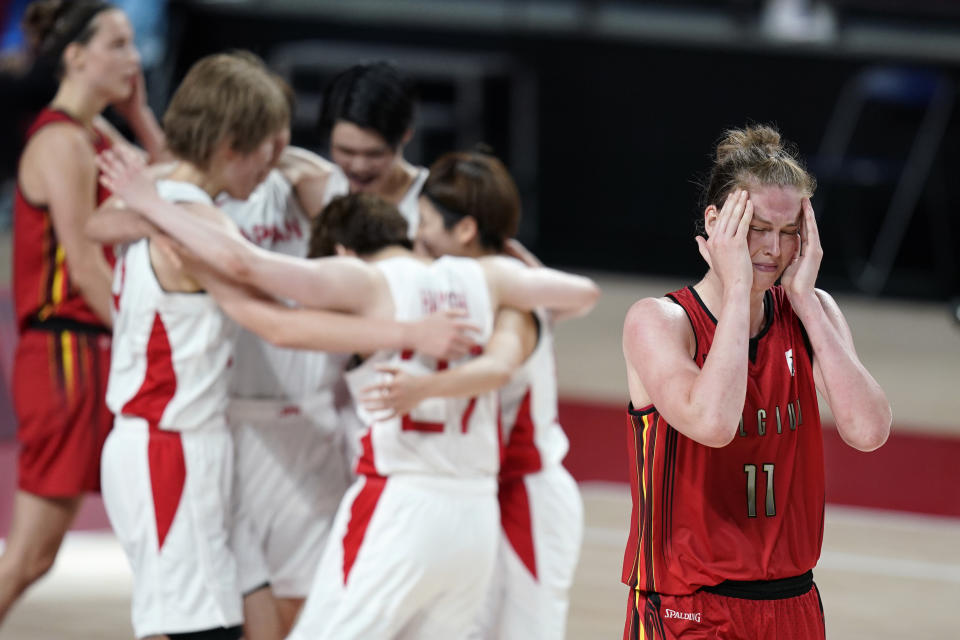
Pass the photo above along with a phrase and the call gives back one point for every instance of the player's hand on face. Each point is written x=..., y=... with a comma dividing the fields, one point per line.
x=800, y=276
x=130, y=107
x=124, y=173
x=444, y=335
x=726, y=250
x=397, y=393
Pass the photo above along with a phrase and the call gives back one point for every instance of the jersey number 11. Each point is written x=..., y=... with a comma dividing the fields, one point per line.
x=751, y=471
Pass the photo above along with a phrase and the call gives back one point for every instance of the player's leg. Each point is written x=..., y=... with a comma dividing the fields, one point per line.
x=59, y=387
x=261, y=615
x=37, y=528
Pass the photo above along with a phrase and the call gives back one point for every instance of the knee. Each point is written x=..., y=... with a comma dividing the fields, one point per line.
x=37, y=566
x=19, y=571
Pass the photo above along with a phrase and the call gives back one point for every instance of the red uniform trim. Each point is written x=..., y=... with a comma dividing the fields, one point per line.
x=168, y=467
x=522, y=456
x=361, y=511
x=517, y=523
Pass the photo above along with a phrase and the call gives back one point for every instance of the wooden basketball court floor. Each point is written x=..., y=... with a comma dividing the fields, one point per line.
x=883, y=574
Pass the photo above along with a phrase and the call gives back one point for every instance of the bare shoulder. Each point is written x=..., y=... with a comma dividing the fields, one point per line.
x=61, y=143
x=655, y=315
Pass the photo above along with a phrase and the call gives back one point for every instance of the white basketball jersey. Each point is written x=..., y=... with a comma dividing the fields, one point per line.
x=409, y=205
x=533, y=436
x=171, y=350
x=273, y=219
x=444, y=436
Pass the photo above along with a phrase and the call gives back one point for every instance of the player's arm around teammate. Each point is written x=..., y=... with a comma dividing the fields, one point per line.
x=341, y=283
x=513, y=340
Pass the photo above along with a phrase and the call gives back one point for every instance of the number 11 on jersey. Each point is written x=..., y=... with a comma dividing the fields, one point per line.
x=751, y=471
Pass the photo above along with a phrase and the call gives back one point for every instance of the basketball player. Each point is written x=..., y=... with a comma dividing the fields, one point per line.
x=368, y=114
x=62, y=280
x=444, y=459
x=290, y=468
x=541, y=513
x=726, y=449
x=171, y=449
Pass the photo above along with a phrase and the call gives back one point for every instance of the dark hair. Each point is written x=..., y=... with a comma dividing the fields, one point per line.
x=754, y=155
x=372, y=96
x=51, y=25
x=361, y=222
x=223, y=97
x=475, y=184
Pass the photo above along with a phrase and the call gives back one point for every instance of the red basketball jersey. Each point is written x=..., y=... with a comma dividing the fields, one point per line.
x=752, y=510
x=41, y=281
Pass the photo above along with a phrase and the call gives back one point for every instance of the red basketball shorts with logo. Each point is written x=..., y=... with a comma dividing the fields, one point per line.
x=787, y=609
x=59, y=389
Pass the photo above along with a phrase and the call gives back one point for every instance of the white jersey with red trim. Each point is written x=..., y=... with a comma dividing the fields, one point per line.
x=409, y=205
x=272, y=218
x=533, y=436
x=446, y=436
x=172, y=350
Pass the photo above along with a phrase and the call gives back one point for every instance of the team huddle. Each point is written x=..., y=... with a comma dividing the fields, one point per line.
x=319, y=396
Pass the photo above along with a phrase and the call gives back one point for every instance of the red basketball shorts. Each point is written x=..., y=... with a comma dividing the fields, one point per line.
x=59, y=389
x=787, y=609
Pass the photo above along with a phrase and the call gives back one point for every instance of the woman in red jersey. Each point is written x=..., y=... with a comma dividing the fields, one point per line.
x=725, y=447
x=61, y=279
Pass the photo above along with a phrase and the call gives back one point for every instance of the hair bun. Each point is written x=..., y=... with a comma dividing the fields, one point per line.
x=38, y=23
x=749, y=141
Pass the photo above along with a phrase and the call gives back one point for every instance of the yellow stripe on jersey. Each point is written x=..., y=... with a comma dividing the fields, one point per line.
x=641, y=633
x=59, y=275
x=69, y=378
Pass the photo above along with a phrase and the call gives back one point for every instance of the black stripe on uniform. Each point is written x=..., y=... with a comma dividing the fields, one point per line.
x=669, y=480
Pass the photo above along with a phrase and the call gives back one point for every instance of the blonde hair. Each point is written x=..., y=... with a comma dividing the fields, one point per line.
x=224, y=97
x=754, y=155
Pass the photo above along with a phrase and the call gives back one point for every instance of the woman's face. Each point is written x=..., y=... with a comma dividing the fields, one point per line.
x=243, y=172
x=109, y=61
x=774, y=235
x=432, y=238
x=363, y=155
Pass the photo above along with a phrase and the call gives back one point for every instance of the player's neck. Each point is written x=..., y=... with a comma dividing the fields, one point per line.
x=188, y=172
x=398, y=182
x=710, y=290
x=77, y=101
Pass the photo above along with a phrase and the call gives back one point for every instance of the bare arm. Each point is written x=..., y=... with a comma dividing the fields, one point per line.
x=441, y=335
x=859, y=405
x=513, y=284
x=309, y=174
x=705, y=404
x=114, y=223
x=338, y=283
x=69, y=178
x=514, y=339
